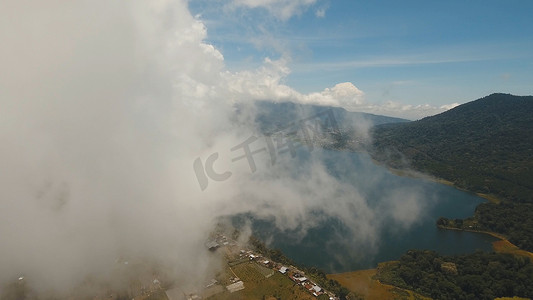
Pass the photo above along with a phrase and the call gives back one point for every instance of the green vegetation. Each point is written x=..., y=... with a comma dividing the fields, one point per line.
x=362, y=282
x=473, y=276
x=484, y=146
x=514, y=220
x=266, y=272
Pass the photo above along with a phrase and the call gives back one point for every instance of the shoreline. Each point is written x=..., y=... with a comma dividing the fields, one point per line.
x=409, y=173
x=501, y=246
x=494, y=234
x=374, y=286
x=362, y=281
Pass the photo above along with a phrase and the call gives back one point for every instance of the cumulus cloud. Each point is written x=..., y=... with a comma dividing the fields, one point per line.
x=343, y=94
x=104, y=107
x=267, y=83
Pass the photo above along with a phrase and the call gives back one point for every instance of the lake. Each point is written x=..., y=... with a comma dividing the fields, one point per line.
x=330, y=245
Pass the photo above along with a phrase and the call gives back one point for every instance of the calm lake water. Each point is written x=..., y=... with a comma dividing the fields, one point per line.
x=331, y=245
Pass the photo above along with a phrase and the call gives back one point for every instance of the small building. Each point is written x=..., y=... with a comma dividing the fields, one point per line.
x=297, y=277
x=235, y=287
x=211, y=283
x=212, y=245
x=283, y=270
x=316, y=290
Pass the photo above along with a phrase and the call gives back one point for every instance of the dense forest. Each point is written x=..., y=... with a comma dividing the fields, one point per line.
x=483, y=146
x=473, y=276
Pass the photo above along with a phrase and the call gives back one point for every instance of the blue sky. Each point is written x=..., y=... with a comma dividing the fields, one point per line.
x=411, y=52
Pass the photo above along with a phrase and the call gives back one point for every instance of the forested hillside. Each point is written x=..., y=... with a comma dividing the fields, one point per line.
x=473, y=276
x=483, y=146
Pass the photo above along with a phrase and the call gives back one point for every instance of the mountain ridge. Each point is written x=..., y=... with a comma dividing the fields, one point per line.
x=278, y=114
x=484, y=145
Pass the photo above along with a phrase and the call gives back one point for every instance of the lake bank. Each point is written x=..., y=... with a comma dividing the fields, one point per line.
x=419, y=175
x=362, y=282
x=503, y=245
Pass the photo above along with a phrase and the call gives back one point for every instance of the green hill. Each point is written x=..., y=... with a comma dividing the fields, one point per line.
x=483, y=146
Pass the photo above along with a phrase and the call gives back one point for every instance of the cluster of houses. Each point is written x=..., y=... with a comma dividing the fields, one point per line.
x=292, y=272
x=309, y=285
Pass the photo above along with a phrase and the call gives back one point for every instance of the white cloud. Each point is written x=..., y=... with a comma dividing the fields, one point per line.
x=505, y=76
x=449, y=106
x=104, y=107
x=346, y=94
x=320, y=13
x=267, y=83
x=281, y=9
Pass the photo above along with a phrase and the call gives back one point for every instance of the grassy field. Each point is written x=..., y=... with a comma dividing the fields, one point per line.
x=361, y=283
x=491, y=198
x=257, y=286
x=504, y=246
x=267, y=272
